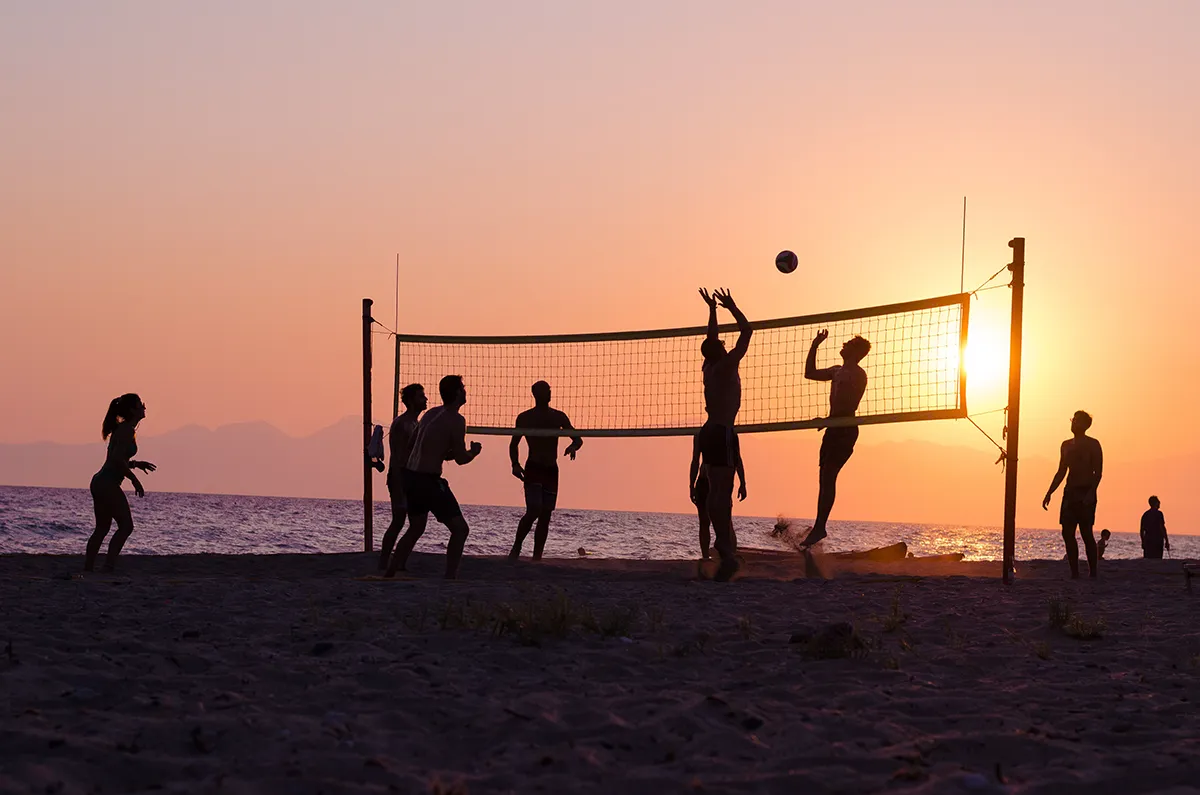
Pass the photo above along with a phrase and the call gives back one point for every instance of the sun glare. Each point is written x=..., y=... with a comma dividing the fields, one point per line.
x=986, y=359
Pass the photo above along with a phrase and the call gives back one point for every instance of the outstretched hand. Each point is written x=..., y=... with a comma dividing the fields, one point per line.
x=822, y=335
x=138, y=490
x=1046, y=502
x=571, y=450
x=708, y=299
x=724, y=298
x=145, y=466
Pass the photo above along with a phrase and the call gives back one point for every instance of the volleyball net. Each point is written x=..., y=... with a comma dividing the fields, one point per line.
x=649, y=383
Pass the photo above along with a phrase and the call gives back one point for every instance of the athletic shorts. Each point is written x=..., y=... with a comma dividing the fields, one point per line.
x=717, y=445
x=838, y=446
x=702, y=490
x=1078, y=506
x=428, y=493
x=541, y=487
x=395, y=486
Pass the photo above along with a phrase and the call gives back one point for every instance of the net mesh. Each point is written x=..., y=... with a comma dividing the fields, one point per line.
x=650, y=383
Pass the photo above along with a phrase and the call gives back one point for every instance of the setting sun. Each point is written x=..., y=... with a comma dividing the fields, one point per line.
x=985, y=359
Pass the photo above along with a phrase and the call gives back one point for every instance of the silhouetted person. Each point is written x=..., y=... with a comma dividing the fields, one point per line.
x=540, y=473
x=698, y=489
x=1154, y=532
x=120, y=423
x=441, y=436
x=400, y=441
x=722, y=400
x=1102, y=544
x=849, y=383
x=1081, y=461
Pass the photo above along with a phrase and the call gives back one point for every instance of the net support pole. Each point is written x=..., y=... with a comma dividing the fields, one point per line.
x=396, y=326
x=368, y=499
x=1013, y=431
x=396, y=384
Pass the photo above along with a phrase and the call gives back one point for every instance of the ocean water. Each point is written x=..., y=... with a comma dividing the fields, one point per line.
x=45, y=520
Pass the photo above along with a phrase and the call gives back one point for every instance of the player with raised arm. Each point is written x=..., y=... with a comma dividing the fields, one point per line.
x=1081, y=462
x=848, y=384
x=722, y=400
x=441, y=436
x=540, y=473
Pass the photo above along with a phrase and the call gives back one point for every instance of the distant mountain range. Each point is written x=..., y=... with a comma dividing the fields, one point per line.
x=895, y=481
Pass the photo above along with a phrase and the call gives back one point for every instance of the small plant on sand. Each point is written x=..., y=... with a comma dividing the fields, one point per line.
x=416, y=621
x=836, y=642
x=896, y=617
x=697, y=645
x=453, y=615
x=1060, y=611
x=618, y=622
x=1081, y=628
x=1063, y=617
x=953, y=636
x=532, y=621
x=746, y=627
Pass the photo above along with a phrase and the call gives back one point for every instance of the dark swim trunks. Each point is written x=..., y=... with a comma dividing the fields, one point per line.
x=541, y=486
x=717, y=445
x=838, y=446
x=1078, y=506
x=428, y=493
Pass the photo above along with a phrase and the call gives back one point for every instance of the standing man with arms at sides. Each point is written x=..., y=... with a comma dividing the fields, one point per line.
x=722, y=400
x=1154, y=532
x=698, y=487
x=540, y=473
x=1081, y=462
x=849, y=383
x=441, y=436
x=400, y=441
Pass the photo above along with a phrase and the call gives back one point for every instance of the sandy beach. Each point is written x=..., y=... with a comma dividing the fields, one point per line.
x=297, y=674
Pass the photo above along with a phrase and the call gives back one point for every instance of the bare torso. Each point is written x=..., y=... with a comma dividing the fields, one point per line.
x=849, y=382
x=723, y=390
x=400, y=440
x=1082, y=455
x=441, y=434
x=543, y=449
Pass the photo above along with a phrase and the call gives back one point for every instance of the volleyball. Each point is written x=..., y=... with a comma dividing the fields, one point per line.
x=786, y=261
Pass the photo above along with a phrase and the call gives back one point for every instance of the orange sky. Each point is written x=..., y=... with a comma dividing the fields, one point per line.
x=195, y=199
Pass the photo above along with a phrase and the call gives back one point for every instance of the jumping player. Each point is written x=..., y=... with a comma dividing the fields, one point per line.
x=698, y=488
x=722, y=400
x=849, y=383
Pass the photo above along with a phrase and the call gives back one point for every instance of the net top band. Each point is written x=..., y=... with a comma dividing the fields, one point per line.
x=612, y=336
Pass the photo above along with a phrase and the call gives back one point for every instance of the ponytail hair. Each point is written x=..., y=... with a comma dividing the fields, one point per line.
x=119, y=410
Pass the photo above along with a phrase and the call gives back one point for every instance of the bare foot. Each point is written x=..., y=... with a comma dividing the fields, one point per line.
x=814, y=536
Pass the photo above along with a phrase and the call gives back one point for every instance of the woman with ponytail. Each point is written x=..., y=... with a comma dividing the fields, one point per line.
x=124, y=413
